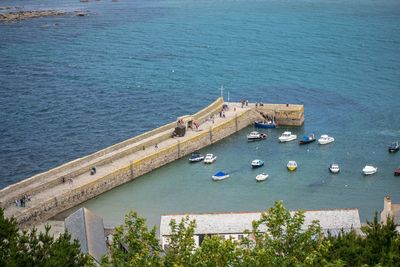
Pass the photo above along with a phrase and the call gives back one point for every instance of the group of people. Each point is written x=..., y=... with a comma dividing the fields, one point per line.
x=21, y=202
x=222, y=113
x=244, y=103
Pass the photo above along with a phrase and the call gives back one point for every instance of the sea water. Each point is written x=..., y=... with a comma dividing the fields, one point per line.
x=71, y=85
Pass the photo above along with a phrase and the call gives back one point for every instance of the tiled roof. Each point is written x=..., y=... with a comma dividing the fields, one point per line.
x=88, y=228
x=231, y=223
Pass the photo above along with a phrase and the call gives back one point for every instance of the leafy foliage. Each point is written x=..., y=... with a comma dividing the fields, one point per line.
x=37, y=249
x=181, y=243
x=378, y=246
x=278, y=238
x=134, y=245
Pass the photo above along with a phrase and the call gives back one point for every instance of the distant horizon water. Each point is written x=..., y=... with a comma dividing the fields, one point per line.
x=70, y=86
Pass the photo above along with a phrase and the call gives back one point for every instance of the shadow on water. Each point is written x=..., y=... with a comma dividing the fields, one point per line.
x=314, y=186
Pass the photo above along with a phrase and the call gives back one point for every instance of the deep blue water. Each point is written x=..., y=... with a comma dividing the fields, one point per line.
x=72, y=85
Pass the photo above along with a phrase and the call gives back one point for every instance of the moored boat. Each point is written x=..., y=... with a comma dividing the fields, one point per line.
x=257, y=163
x=220, y=176
x=256, y=136
x=325, y=139
x=196, y=157
x=292, y=165
x=307, y=139
x=397, y=172
x=287, y=136
x=368, y=170
x=210, y=158
x=334, y=168
x=394, y=147
x=261, y=177
x=265, y=124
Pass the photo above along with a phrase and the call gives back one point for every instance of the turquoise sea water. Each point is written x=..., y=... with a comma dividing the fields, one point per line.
x=72, y=85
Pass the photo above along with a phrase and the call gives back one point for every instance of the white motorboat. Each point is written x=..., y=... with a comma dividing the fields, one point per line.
x=334, y=168
x=257, y=163
x=210, y=158
x=220, y=176
x=292, y=165
x=287, y=136
x=256, y=136
x=325, y=139
x=261, y=177
x=368, y=170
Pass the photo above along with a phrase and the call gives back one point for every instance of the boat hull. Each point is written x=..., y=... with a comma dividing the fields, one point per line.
x=292, y=168
x=219, y=178
x=264, y=125
x=393, y=150
x=283, y=140
x=196, y=159
x=261, y=177
x=253, y=139
x=334, y=171
x=325, y=142
x=304, y=142
x=254, y=166
x=369, y=171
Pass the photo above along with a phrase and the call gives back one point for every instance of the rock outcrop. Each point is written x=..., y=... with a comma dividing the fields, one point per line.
x=20, y=15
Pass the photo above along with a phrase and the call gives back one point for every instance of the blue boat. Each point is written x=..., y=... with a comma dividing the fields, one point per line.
x=307, y=139
x=220, y=176
x=265, y=124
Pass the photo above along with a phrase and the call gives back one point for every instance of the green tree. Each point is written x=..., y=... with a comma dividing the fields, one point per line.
x=37, y=249
x=8, y=238
x=133, y=244
x=382, y=244
x=181, y=243
x=217, y=252
x=281, y=240
x=378, y=246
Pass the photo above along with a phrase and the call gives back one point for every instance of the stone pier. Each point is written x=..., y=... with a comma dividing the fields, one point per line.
x=70, y=184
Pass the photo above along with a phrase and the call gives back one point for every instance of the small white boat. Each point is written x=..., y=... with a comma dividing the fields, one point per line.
x=287, y=136
x=261, y=177
x=368, y=170
x=325, y=139
x=210, y=158
x=334, y=168
x=257, y=163
x=292, y=165
x=220, y=176
x=256, y=136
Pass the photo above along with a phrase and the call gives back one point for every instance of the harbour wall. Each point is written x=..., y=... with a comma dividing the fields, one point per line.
x=54, y=204
x=76, y=167
x=57, y=204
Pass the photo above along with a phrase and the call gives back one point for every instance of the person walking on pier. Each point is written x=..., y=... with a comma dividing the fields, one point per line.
x=93, y=171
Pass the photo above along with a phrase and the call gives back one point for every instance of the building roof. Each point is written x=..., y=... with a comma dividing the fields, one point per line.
x=88, y=228
x=233, y=223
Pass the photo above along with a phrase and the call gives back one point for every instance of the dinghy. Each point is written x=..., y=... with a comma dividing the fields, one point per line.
x=261, y=177
x=220, y=176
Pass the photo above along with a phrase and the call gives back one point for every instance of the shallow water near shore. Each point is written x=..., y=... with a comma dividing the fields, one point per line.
x=70, y=86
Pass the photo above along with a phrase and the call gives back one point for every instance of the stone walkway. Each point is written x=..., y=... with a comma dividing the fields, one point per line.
x=106, y=169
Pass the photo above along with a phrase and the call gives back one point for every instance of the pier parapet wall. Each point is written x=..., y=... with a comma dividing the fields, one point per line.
x=284, y=114
x=60, y=197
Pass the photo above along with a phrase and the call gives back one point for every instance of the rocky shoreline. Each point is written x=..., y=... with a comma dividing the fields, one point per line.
x=21, y=15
